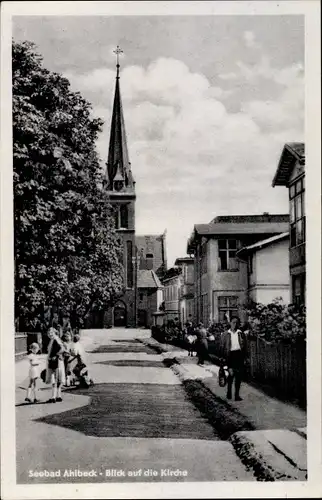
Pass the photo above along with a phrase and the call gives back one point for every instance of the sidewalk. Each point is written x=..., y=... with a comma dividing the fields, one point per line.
x=276, y=448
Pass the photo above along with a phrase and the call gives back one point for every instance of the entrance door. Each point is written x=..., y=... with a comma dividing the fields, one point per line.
x=142, y=318
x=120, y=314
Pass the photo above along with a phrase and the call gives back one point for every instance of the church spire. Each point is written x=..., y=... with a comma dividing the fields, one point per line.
x=118, y=165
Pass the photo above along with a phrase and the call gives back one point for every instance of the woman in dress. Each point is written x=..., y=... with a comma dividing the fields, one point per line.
x=55, y=365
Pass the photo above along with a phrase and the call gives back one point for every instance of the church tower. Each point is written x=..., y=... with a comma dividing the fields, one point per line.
x=121, y=192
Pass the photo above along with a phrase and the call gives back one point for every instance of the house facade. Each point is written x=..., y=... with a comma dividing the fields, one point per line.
x=172, y=282
x=151, y=253
x=186, y=291
x=221, y=279
x=150, y=297
x=267, y=269
x=290, y=173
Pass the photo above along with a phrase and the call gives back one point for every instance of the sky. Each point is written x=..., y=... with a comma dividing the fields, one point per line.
x=209, y=102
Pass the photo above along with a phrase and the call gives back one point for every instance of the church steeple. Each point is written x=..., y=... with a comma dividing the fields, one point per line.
x=118, y=166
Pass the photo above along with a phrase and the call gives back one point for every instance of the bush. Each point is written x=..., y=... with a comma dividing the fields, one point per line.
x=277, y=322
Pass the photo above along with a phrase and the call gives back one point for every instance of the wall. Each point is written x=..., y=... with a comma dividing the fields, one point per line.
x=272, y=263
x=266, y=295
x=224, y=283
x=171, y=297
x=151, y=244
x=271, y=278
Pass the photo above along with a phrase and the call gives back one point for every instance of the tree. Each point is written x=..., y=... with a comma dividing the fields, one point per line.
x=67, y=253
x=277, y=322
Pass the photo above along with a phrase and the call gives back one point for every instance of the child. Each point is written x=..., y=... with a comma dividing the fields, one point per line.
x=34, y=372
x=80, y=369
x=55, y=374
x=67, y=342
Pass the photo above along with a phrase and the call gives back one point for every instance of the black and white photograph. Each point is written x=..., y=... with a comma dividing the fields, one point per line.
x=159, y=212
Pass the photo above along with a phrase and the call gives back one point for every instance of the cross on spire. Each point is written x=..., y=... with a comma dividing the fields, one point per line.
x=117, y=52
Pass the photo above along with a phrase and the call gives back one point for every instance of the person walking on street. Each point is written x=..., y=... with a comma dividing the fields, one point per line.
x=202, y=344
x=235, y=350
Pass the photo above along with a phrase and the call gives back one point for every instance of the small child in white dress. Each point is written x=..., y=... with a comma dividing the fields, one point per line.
x=34, y=372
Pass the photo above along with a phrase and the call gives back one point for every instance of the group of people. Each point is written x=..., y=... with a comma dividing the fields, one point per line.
x=233, y=347
x=65, y=361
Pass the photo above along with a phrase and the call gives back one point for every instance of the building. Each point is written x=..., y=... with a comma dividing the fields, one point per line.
x=150, y=297
x=186, y=291
x=151, y=251
x=172, y=282
x=291, y=174
x=267, y=269
x=143, y=256
x=120, y=188
x=221, y=279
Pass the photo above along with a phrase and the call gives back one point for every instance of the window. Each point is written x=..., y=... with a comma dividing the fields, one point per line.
x=204, y=309
x=129, y=265
x=124, y=217
x=203, y=258
x=227, y=307
x=297, y=213
x=227, y=255
x=298, y=289
x=141, y=296
x=149, y=261
x=251, y=264
x=116, y=217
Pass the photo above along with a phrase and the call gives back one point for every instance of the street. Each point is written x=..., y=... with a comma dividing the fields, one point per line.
x=135, y=424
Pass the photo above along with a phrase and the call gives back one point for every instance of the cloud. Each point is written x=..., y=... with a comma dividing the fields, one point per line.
x=192, y=158
x=249, y=39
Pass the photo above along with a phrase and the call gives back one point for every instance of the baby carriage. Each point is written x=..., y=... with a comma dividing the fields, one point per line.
x=81, y=375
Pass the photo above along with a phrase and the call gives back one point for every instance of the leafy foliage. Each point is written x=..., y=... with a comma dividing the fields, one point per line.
x=277, y=322
x=67, y=253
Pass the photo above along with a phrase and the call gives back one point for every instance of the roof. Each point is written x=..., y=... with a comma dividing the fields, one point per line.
x=292, y=152
x=148, y=279
x=171, y=273
x=263, y=243
x=118, y=157
x=238, y=225
x=265, y=217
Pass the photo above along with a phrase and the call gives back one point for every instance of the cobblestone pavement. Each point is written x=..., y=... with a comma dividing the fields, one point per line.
x=136, y=423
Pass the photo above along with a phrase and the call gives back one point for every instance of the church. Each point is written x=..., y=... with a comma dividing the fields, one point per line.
x=144, y=257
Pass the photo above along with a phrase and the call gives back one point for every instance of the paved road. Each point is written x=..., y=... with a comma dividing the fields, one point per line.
x=136, y=423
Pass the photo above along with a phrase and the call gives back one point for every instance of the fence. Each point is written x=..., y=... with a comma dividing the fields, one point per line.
x=23, y=341
x=281, y=367
x=20, y=344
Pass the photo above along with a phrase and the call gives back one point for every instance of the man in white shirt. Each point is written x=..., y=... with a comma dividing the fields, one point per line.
x=234, y=347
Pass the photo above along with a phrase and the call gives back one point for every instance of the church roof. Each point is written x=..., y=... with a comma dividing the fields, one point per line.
x=148, y=279
x=118, y=157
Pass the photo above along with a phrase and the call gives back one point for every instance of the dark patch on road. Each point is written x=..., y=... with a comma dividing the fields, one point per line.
x=136, y=410
x=225, y=419
x=123, y=348
x=133, y=362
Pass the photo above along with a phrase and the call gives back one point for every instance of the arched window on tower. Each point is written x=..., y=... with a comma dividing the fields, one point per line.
x=124, y=217
x=149, y=261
